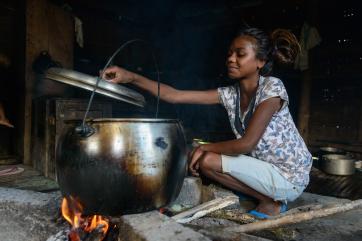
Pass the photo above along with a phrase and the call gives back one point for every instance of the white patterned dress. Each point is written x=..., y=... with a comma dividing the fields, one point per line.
x=281, y=144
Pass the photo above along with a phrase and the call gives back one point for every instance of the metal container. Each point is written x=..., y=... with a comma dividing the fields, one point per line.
x=125, y=166
x=337, y=164
x=326, y=150
x=330, y=150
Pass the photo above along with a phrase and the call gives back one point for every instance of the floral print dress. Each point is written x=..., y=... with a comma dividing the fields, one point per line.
x=281, y=144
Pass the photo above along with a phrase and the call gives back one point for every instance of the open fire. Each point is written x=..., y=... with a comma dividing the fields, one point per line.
x=83, y=226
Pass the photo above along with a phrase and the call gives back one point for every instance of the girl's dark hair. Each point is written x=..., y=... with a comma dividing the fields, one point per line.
x=281, y=46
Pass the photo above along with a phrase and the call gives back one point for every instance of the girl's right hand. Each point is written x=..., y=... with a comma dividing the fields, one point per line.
x=194, y=161
x=117, y=75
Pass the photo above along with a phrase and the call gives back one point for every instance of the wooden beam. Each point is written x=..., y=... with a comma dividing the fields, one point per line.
x=304, y=106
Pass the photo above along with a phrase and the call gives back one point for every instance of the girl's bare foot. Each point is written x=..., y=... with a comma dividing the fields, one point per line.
x=270, y=208
x=6, y=122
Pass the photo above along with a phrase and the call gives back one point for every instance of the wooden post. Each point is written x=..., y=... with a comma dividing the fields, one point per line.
x=49, y=28
x=304, y=106
x=360, y=124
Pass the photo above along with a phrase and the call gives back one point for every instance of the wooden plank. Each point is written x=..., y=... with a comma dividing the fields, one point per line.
x=360, y=123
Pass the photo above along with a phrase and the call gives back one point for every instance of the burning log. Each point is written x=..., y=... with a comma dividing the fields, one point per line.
x=80, y=234
x=95, y=235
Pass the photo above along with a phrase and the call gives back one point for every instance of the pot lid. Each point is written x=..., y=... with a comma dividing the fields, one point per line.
x=88, y=82
x=331, y=149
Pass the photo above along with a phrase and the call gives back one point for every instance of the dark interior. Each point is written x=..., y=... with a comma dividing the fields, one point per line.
x=189, y=40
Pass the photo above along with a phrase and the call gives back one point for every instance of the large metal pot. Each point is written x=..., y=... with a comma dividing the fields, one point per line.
x=125, y=166
x=337, y=164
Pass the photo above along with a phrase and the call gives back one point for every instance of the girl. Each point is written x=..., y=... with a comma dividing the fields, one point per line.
x=268, y=160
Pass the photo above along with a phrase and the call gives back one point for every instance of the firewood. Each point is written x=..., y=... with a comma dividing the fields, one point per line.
x=95, y=235
x=205, y=208
x=295, y=217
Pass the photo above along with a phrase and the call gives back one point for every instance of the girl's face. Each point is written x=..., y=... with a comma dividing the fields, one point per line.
x=241, y=61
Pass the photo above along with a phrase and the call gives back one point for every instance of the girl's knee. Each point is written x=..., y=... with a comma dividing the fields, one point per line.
x=210, y=162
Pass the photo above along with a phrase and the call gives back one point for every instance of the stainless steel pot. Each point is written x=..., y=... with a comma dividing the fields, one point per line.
x=337, y=164
x=325, y=150
x=125, y=166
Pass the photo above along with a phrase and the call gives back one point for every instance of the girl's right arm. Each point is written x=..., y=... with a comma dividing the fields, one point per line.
x=167, y=93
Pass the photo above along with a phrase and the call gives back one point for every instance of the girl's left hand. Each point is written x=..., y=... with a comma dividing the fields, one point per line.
x=194, y=161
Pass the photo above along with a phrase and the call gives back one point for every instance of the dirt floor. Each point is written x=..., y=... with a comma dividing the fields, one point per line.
x=342, y=226
x=33, y=214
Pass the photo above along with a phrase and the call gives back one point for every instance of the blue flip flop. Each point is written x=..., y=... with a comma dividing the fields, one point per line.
x=260, y=215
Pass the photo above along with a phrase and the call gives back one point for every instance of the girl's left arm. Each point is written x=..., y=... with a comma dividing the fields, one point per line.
x=257, y=125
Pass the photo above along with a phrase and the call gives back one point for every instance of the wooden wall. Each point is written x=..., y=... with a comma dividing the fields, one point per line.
x=49, y=28
x=335, y=112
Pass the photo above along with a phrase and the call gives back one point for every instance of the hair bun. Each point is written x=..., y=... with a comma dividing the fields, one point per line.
x=285, y=46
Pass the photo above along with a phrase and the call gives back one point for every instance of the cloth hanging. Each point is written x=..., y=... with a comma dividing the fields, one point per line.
x=78, y=27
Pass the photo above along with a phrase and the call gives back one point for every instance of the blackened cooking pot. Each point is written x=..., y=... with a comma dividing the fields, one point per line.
x=125, y=166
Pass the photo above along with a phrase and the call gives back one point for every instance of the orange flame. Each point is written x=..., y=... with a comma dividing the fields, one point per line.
x=72, y=212
x=97, y=221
